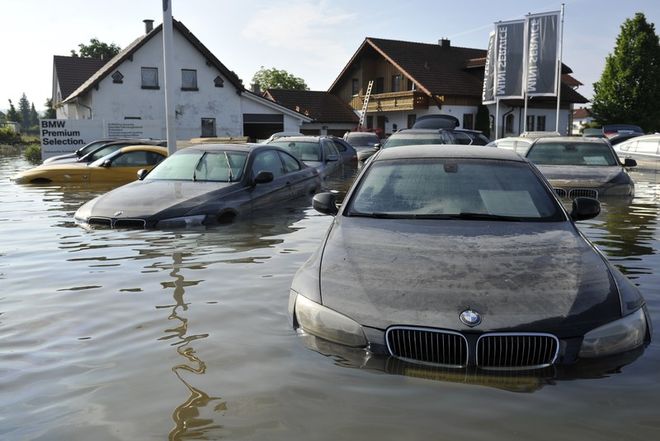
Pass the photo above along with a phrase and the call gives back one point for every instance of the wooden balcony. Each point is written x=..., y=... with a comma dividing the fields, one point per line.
x=392, y=101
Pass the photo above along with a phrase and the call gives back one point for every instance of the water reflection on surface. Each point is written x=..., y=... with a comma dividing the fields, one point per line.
x=124, y=334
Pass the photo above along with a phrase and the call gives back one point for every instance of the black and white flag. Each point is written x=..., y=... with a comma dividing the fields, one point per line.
x=510, y=48
x=542, y=49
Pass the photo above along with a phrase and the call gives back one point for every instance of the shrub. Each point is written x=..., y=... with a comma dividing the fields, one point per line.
x=9, y=137
x=33, y=153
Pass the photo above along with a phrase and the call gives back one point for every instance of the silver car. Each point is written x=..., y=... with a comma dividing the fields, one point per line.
x=644, y=149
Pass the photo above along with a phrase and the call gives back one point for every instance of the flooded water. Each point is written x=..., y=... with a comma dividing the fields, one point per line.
x=148, y=335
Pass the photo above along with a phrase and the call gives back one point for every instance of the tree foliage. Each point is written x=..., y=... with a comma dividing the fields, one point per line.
x=277, y=79
x=50, y=112
x=12, y=114
x=96, y=49
x=24, y=111
x=629, y=88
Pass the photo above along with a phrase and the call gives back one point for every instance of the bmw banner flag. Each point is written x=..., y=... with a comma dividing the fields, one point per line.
x=510, y=46
x=542, y=43
x=488, y=95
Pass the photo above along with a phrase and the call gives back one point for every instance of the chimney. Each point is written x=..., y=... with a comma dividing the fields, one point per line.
x=148, y=26
x=256, y=89
x=445, y=42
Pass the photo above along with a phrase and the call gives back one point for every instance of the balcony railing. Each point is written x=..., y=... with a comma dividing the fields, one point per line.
x=392, y=101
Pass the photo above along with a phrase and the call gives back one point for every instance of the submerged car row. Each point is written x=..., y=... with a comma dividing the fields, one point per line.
x=440, y=254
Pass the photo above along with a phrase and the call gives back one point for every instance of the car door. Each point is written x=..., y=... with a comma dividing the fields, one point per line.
x=299, y=177
x=269, y=193
x=123, y=167
x=332, y=164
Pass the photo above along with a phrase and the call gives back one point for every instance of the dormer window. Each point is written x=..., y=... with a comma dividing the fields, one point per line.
x=117, y=77
x=219, y=82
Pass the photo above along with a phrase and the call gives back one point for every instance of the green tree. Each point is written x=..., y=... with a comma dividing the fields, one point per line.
x=96, y=49
x=629, y=88
x=277, y=79
x=50, y=110
x=12, y=114
x=34, y=116
x=3, y=117
x=24, y=111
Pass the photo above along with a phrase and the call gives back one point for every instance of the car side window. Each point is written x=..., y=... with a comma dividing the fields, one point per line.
x=462, y=138
x=291, y=164
x=268, y=160
x=340, y=147
x=131, y=159
x=329, y=151
x=448, y=139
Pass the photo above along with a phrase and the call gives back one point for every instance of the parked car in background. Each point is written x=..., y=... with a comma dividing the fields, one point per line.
x=204, y=184
x=366, y=143
x=278, y=135
x=348, y=153
x=644, y=149
x=103, y=149
x=515, y=143
x=582, y=167
x=491, y=271
x=419, y=137
x=617, y=139
x=436, y=121
x=611, y=130
x=592, y=132
x=94, y=145
x=470, y=137
x=116, y=168
x=538, y=134
x=319, y=152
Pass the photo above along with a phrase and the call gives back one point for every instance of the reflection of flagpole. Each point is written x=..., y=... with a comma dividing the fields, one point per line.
x=170, y=119
x=561, y=43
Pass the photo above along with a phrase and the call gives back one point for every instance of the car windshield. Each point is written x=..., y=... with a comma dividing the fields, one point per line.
x=103, y=151
x=306, y=151
x=362, y=139
x=400, y=139
x=196, y=165
x=571, y=153
x=476, y=189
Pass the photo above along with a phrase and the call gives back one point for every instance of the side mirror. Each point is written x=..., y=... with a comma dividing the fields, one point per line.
x=142, y=173
x=377, y=146
x=325, y=203
x=332, y=158
x=263, y=177
x=107, y=163
x=629, y=162
x=585, y=208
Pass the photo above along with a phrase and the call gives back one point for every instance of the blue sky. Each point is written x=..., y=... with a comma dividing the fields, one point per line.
x=310, y=39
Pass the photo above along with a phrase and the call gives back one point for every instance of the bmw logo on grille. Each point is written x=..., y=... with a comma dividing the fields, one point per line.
x=470, y=317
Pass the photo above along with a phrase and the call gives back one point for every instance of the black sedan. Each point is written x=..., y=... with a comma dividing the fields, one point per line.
x=204, y=184
x=464, y=258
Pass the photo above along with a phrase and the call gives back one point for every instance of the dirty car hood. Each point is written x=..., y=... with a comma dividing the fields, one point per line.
x=579, y=173
x=539, y=277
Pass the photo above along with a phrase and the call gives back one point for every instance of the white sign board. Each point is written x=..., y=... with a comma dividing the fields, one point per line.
x=59, y=136
x=134, y=129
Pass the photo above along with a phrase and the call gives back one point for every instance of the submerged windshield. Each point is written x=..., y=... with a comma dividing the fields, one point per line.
x=306, y=151
x=453, y=188
x=196, y=165
x=571, y=153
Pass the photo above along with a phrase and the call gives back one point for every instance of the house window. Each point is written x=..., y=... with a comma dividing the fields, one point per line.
x=411, y=120
x=508, y=123
x=188, y=79
x=117, y=77
x=219, y=82
x=355, y=86
x=370, y=122
x=530, y=123
x=468, y=121
x=208, y=127
x=396, y=83
x=150, y=78
x=379, y=85
x=540, y=123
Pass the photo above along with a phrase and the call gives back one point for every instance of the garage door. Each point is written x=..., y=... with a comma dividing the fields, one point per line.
x=258, y=126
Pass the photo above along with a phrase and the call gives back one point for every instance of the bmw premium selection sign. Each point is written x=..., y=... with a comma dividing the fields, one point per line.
x=542, y=41
x=59, y=136
x=510, y=46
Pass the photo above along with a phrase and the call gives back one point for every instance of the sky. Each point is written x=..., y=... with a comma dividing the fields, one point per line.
x=310, y=39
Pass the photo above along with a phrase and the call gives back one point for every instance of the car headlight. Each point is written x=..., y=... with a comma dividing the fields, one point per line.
x=328, y=324
x=615, y=337
x=180, y=222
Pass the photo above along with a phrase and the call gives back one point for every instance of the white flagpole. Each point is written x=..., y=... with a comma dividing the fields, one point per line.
x=561, y=42
x=170, y=119
x=497, y=118
x=525, y=69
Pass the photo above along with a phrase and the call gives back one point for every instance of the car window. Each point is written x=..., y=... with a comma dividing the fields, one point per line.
x=136, y=159
x=571, y=153
x=198, y=165
x=648, y=146
x=399, y=139
x=330, y=151
x=290, y=163
x=362, y=139
x=270, y=161
x=104, y=151
x=438, y=187
x=462, y=138
x=339, y=146
x=307, y=151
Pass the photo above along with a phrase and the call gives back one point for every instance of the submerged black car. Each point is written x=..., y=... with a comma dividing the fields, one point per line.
x=204, y=184
x=464, y=258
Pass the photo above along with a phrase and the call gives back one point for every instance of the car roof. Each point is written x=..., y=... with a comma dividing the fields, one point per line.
x=140, y=147
x=571, y=139
x=308, y=138
x=418, y=131
x=447, y=151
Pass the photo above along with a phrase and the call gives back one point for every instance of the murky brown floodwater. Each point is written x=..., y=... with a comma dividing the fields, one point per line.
x=145, y=335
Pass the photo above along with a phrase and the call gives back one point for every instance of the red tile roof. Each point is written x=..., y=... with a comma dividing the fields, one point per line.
x=319, y=105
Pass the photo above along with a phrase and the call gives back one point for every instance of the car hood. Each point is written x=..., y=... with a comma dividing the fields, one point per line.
x=580, y=173
x=541, y=277
x=146, y=199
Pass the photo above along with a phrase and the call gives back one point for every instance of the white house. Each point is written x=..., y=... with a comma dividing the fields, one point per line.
x=210, y=99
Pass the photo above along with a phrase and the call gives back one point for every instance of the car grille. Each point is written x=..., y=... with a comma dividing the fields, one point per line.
x=491, y=351
x=116, y=223
x=516, y=350
x=428, y=345
x=561, y=192
x=583, y=192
